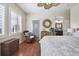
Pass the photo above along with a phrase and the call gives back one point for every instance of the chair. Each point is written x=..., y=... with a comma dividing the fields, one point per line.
x=28, y=38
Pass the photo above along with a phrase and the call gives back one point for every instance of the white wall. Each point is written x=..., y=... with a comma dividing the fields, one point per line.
x=41, y=17
x=18, y=10
x=74, y=16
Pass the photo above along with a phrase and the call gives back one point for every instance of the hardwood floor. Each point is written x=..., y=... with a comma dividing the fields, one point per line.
x=28, y=49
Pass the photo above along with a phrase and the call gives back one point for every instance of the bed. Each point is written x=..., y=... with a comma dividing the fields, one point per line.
x=59, y=46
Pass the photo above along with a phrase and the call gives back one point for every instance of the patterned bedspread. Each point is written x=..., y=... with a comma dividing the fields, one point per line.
x=59, y=46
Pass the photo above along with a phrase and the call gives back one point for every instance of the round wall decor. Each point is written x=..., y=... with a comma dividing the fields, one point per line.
x=47, y=23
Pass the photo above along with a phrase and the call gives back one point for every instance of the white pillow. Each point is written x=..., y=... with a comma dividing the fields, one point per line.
x=75, y=34
x=31, y=37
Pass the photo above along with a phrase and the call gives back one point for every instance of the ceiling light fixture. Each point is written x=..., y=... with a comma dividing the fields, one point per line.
x=47, y=5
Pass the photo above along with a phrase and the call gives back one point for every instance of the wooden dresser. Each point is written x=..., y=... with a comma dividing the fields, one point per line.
x=46, y=33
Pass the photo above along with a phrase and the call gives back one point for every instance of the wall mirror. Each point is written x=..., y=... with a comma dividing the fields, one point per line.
x=47, y=23
x=58, y=26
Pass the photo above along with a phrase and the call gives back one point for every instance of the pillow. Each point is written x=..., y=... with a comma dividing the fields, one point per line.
x=75, y=34
x=26, y=34
x=31, y=37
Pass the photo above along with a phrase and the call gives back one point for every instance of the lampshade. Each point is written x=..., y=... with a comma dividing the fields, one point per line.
x=58, y=21
x=70, y=30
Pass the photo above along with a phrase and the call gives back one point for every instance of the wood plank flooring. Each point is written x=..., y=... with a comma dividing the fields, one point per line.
x=28, y=49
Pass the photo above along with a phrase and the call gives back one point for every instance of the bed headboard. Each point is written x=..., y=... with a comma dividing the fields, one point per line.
x=77, y=29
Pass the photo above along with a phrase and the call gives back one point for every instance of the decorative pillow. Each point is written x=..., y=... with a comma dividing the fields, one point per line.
x=31, y=37
x=77, y=29
x=26, y=34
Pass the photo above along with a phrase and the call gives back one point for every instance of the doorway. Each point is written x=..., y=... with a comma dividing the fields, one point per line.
x=35, y=27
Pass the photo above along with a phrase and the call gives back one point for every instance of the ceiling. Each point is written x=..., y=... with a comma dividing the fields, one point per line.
x=33, y=8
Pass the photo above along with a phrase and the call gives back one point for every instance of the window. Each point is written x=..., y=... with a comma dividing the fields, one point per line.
x=15, y=23
x=1, y=20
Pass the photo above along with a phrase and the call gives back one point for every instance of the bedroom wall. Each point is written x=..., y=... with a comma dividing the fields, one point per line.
x=74, y=16
x=41, y=17
x=8, y=8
